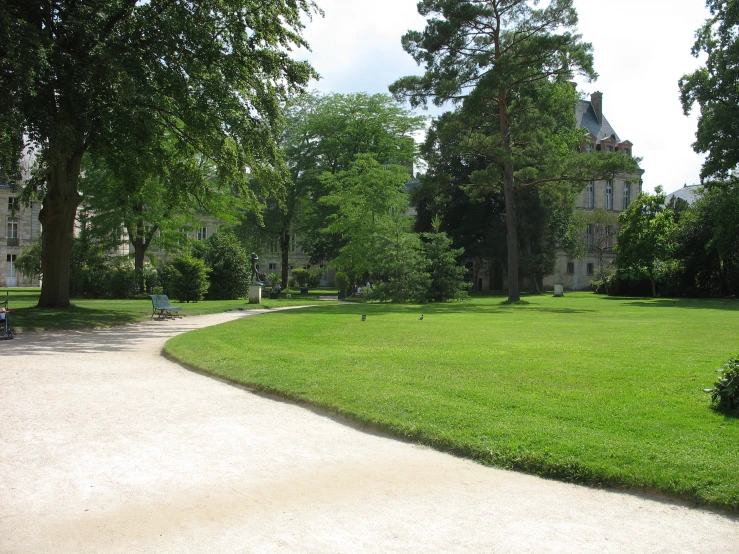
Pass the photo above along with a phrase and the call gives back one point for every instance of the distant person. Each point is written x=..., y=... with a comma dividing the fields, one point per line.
x=4, y=319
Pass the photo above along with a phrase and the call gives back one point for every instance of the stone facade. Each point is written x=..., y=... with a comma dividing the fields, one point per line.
x=19, y=229
x=613, y=196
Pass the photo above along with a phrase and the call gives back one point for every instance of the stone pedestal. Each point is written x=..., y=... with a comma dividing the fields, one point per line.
x=559, y=289
x=255, y=293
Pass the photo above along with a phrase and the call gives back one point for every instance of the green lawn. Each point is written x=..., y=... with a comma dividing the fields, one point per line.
x=584, y=388
x=106, y=313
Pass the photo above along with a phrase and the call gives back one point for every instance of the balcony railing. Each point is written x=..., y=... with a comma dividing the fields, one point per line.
x=13, y=242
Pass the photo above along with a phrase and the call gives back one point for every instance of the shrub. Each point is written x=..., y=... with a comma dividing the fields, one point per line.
x=274, y=279
x=314, y=277
x=120, y=279
x=229, y=267
x=301, y=277
x=726, y=390
x=342, y=281
x=186, y=278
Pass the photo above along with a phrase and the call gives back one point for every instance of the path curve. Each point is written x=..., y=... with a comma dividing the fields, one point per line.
x=106, y=446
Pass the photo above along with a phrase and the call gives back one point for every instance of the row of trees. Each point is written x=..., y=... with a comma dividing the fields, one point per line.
x=681, y=249
x=694, y=250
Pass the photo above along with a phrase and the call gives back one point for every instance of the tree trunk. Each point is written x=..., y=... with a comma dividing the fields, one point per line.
x=654, y=284
x=57, y=217
x=509, y=193
x=285, y=253
x=139, y=251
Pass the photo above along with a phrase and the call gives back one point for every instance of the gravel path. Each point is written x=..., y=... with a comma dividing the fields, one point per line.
x=105, y=446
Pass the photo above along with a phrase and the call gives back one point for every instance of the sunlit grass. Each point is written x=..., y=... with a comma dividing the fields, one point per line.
x=583, y=388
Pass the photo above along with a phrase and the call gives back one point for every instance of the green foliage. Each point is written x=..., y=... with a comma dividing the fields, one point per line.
x=644, y=237
x=91, y=77
x=301, y=276
x=274, y=279
x=447, y=277
x=725, y=392
x=713, y=88
x=342, y=281
x=29, y=263
x=185, y=278
x=510, y=74
x=314, y=277
x=228, y=267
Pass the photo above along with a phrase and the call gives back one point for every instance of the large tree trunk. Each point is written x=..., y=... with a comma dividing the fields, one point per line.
x=139, y=251
x=57, y=217
x=509, y=193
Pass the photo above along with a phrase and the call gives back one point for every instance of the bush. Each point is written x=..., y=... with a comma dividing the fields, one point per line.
x=314, y=277
x=301, y=277
x=186, y=278
x=229, y=267
x=726, y=390
x=274, y=279
x=342, y=281
x=120, y=279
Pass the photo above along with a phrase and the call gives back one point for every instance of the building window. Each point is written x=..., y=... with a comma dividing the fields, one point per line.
x=570, y=268
x=12, y=203
x=627, y=196
x=609, y=195
x=609, y=236
x=12, y=235
x=627, y=151
x=590, y=237
x=273, y=267
x=609, y=148
x=591, y=267
x=590, y=195
x=203, y=233
x=588, y=146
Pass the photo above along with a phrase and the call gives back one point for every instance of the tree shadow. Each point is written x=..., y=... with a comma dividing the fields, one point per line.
x=685, y=303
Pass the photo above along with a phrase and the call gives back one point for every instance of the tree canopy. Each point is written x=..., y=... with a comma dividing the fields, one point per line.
x=508, y=64
x=88, y=76
x=714, y=88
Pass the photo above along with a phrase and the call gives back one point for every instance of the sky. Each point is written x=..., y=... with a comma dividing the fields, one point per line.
x=641, y=49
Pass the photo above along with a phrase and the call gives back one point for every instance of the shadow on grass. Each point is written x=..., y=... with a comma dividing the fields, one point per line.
x=690, y=303
x=36, y=319
x=503, y=308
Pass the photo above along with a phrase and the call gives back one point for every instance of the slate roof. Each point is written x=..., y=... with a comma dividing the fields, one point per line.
x=586, y=118
x=689, y=193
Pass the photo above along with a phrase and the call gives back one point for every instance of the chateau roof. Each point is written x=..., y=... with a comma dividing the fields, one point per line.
x=689, y=193
x=586, y=117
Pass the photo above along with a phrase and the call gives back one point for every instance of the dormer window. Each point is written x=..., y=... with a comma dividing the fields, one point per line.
x=609, y=148
x=627, y=151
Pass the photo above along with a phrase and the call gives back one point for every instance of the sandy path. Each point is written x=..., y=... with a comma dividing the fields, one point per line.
x=105, y=446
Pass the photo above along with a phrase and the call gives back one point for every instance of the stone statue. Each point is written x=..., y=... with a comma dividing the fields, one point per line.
x=254, y=270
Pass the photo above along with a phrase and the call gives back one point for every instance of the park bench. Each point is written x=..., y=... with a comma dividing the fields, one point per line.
x=162, y=307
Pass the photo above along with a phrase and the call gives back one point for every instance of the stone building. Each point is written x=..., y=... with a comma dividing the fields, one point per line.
x=19, y=229
x=612, y=196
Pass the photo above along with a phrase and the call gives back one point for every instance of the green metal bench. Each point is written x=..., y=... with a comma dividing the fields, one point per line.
x=162, y=307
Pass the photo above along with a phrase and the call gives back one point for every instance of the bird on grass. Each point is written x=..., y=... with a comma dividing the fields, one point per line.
x=420, y=318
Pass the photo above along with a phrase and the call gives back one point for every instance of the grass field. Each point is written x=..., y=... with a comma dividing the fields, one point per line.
x=105, y=313
x=584, y=388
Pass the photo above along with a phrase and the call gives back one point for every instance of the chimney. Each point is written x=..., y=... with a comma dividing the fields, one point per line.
x=596, y=99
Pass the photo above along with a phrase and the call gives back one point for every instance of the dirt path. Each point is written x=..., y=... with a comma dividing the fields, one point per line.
x=105, y=446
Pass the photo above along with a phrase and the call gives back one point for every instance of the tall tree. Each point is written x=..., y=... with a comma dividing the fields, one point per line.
x=83, y=76
x=325, y=133
x=505, y=61
x=714, y=88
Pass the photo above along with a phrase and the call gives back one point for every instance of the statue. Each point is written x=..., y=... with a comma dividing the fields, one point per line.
x=254, y=270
